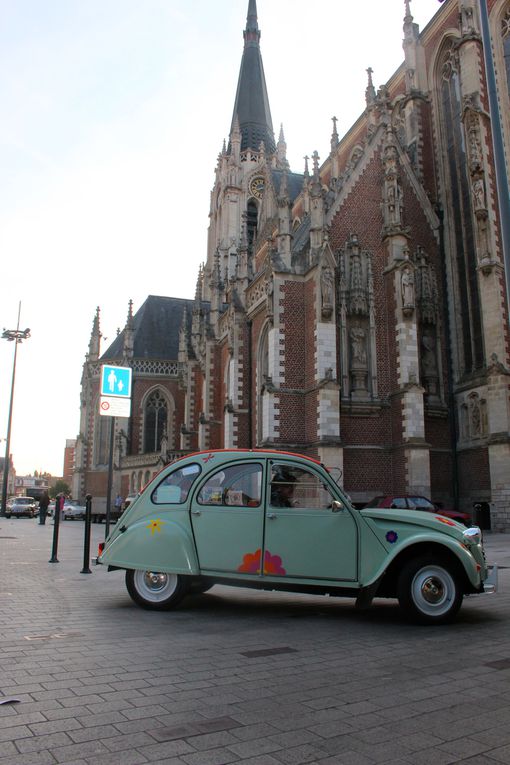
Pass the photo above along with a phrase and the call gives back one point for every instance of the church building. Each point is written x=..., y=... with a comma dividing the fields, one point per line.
x=355, y=311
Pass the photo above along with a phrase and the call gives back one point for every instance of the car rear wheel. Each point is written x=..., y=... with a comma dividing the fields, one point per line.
x=429, y=591
x=155, y=590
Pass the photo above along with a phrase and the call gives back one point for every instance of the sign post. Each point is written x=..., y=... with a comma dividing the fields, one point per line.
x=115, y=401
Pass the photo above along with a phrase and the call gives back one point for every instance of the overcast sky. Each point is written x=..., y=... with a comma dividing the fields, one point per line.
x=113, y=113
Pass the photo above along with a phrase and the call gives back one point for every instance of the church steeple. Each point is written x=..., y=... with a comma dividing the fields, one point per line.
x=252, y=103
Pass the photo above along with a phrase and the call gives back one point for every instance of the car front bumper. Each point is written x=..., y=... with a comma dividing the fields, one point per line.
x=490, y=585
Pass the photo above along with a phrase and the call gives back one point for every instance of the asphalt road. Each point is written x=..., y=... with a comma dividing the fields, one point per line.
x=235, y=675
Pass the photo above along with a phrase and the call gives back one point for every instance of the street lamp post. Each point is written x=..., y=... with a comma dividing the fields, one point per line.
x=16, y=336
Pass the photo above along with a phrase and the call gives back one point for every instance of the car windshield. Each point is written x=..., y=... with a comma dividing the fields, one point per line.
x=24, y=501
x=421, y=503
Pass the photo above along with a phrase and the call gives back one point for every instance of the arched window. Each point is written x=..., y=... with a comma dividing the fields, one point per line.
x=262, y=380
x=464, y=260
x=155, y=421
x=252, y=213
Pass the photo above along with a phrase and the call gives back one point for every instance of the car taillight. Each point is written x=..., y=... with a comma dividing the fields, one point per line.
x=100, y=548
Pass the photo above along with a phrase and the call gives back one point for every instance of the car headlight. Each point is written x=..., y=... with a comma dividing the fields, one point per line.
x=473, y=535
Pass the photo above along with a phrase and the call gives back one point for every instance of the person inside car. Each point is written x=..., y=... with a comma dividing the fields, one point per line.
x=282, y=489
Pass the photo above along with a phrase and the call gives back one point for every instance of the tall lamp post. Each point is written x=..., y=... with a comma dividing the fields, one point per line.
x=15, y=336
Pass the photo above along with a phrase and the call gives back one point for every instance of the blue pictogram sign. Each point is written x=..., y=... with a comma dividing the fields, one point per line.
x=116, y=381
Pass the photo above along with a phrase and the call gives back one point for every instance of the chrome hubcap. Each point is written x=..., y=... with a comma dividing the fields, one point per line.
x=155, y=581
x=155, y=586
x=432, y=590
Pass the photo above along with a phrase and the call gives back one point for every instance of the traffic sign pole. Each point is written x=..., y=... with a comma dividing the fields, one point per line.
x=110, y=481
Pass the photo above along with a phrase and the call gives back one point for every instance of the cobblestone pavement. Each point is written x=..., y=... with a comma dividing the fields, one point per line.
x=236, y=675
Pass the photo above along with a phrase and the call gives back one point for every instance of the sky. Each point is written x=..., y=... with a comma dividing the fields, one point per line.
x=112, y=116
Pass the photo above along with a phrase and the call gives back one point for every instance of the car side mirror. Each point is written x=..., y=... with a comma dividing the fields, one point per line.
x=336, y=506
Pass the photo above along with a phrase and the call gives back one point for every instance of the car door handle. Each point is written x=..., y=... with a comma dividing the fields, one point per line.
x=271, y=516
x=196, y=512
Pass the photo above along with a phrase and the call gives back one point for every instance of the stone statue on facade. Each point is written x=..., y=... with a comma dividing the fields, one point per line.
x=407, y=289
x=327, y=291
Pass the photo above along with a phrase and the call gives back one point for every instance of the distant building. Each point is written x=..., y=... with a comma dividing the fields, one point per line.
x=355, y=311
x=69, y=460
x=31, y=486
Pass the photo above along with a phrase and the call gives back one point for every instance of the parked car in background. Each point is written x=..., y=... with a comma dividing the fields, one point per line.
x=73, y=511
x=21, y=506
x=415, y=502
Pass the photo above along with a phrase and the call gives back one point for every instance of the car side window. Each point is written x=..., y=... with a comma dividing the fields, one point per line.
x=235, y=485
x=399, y=502
x=293, y=486
x=175, y=487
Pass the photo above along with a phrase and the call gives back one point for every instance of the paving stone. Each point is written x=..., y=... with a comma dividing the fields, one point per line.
x=37, y=758
x=218, y=756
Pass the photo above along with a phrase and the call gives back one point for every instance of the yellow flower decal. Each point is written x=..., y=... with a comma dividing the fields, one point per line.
x=155, y=525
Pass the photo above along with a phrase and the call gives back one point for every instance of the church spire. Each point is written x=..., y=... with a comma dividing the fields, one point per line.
x=251, y=106
x=252, y=32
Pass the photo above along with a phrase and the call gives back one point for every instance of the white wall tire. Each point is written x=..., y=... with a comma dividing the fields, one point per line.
x=155, y=590
x=429, y=591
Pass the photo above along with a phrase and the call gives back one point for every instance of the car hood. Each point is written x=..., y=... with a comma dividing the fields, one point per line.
x=387, y=519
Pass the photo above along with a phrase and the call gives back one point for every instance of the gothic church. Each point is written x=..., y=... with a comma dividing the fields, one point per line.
x=355, y=311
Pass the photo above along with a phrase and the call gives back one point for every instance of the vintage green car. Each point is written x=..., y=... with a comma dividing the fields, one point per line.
x=279, y=521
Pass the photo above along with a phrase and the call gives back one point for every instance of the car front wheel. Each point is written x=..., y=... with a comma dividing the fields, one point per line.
x=155, y=590
x=429, y=591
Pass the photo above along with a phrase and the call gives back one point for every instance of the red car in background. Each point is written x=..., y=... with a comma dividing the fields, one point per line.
x=414, y=502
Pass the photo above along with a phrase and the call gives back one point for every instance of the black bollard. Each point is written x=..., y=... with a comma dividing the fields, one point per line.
x=59, y=504
x=86, y=540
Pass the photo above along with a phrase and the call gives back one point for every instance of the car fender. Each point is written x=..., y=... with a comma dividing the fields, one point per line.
x=158, y=544
x=455, y=546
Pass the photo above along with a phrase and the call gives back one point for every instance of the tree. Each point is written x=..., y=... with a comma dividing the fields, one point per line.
x=61, y=487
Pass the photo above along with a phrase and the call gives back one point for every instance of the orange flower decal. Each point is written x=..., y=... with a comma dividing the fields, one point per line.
x=251, y=563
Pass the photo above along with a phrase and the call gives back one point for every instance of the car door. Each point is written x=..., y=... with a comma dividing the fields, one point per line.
x=307, y=535
x=227, y=519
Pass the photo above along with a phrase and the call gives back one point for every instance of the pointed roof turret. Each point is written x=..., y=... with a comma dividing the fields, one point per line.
x=95, y=338
x=370, y=94
x=334, y=135
x=252, y=103
x=282, y=150
x=129, y=331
